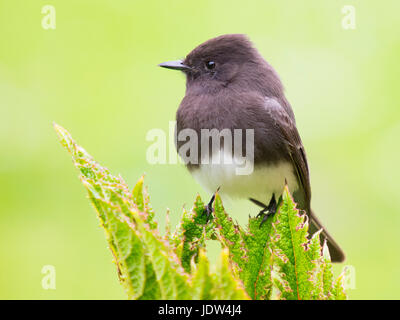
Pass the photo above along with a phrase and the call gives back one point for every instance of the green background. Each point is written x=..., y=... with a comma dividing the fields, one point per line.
x=96, y=74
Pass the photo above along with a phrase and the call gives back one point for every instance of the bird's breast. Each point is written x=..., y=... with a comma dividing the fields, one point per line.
x=260, y=184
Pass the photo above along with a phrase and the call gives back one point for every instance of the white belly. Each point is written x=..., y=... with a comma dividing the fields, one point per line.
x=260, y=184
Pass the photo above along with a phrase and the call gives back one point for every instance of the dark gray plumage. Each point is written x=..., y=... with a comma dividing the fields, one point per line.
x=230, y=86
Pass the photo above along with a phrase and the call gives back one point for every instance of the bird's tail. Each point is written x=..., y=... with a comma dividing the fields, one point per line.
x=337, y=254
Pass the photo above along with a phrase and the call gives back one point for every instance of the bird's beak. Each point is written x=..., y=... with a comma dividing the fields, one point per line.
x=176, y=65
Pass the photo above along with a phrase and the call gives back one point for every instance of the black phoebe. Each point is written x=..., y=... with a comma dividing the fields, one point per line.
x=230, y=86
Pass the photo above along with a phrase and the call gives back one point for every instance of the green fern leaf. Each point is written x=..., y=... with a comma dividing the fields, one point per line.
x=272, y=261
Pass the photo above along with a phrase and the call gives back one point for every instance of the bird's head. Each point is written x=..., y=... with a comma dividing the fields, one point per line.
x=223, y=61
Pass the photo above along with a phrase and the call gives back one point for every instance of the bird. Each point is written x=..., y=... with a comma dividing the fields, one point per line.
x=230, y=86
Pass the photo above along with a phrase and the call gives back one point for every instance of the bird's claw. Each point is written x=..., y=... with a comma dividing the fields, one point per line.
x=208, y=209
x=268, y=210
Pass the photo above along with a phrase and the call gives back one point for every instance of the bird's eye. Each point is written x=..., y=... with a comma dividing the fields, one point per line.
x=210, y=65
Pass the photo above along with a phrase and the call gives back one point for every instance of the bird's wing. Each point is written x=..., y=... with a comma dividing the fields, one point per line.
x=288, y=130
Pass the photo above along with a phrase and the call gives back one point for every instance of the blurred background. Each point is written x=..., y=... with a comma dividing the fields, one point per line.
x=96, y=74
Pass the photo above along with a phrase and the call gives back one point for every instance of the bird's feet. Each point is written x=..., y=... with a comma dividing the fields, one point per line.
x=266, y=211
x=208, y=209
